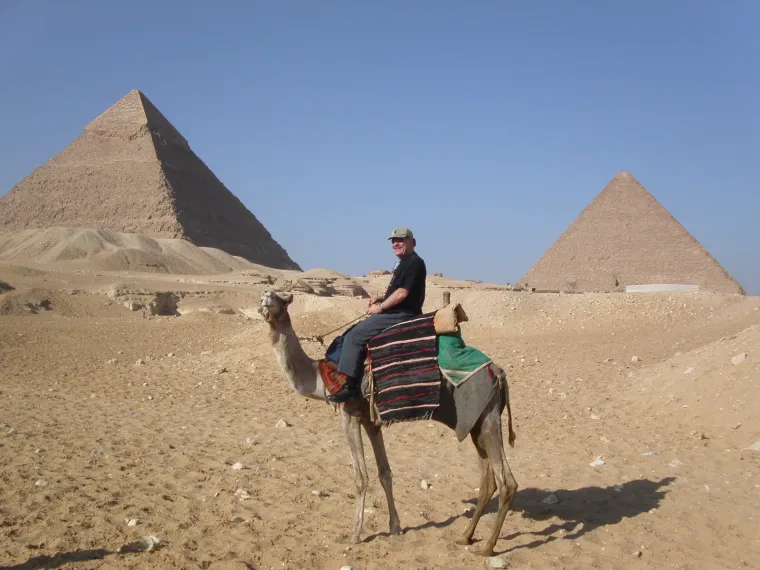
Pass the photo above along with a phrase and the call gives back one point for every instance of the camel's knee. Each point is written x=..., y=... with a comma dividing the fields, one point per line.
x=508, y=489
x=362, y=482
x=386, y=478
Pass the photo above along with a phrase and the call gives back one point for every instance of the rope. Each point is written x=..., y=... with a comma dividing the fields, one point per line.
x=321, y=338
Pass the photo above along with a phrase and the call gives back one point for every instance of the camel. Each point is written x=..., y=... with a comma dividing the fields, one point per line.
x=302, y=374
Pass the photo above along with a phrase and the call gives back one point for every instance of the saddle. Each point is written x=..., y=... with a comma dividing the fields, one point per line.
x=401, y=374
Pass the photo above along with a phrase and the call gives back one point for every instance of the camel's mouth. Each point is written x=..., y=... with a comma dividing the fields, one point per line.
x=272, y=306
x=268, y=315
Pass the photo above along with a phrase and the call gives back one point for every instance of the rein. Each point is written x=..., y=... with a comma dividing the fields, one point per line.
x=321, y=338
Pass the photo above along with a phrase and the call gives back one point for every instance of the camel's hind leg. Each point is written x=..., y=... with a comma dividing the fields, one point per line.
x=490, y=438
x=485, y=492
x=375, y=435
x=352, y=428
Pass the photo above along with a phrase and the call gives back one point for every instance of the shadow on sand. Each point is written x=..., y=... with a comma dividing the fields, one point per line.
x=44, y=562
x=581, y=510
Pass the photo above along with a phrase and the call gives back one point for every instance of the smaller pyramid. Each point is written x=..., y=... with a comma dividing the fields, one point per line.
x=131, y=171
x=626, y=237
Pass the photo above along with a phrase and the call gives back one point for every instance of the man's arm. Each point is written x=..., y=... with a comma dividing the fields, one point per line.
x=393, y=299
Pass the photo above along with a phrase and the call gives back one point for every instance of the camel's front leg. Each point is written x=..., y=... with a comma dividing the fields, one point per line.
x=352, y=428
x=375, y=435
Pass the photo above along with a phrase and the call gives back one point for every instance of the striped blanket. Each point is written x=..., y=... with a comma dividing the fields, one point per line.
x=405, y=370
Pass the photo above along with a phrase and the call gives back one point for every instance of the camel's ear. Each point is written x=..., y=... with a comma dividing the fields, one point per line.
x=287, y=298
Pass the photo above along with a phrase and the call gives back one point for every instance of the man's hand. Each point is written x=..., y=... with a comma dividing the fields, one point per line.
x=374, y=309
x=374, y=301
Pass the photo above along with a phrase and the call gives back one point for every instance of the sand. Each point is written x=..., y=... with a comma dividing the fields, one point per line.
x=110, y=415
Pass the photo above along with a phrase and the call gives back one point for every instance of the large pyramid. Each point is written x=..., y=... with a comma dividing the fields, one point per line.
x=131, y=171
x=626, y=237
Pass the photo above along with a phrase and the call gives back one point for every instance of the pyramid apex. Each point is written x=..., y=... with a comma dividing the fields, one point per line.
x=126, y=117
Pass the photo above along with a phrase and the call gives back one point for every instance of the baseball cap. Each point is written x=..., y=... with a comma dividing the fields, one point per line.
x=401, y=233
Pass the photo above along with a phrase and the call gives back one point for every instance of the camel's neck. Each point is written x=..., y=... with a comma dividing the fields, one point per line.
x=300, y=371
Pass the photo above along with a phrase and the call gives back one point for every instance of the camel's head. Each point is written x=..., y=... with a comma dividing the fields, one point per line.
x=274, y=306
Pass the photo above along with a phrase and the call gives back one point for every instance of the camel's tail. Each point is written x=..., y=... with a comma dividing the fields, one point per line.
x=505, y=403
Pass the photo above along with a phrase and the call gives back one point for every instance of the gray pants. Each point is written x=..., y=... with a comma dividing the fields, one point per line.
x=354, y=344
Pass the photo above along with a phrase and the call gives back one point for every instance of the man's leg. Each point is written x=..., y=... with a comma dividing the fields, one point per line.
x=353, y=352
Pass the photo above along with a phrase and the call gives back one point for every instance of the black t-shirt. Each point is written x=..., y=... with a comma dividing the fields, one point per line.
x=410, y=274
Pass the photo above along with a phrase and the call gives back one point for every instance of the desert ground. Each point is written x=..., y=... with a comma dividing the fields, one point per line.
x=117, y=424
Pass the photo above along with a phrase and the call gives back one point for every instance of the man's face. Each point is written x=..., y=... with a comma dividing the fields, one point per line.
x=402, y=246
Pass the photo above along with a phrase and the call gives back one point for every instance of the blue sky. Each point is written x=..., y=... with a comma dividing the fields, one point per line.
x=485, y=126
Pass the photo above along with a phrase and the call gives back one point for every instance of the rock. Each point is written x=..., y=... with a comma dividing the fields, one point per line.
x=754, y=447
x=251, y=441
x=496, y=562
x=738, y=358
x=41, y=483
x=346, y=568
x=675, y=463
x=635, y=359
x=132, y=522
x=242, y=495
x=424, y=484
x=318, y=493
x=550, y=499
x=145, y=544
x=164, y=303
x=282, y=424
x=653, y=452
x=597, y=462
x=689, y=370
x=139, y=362
x=238, y=466
x=221, y=370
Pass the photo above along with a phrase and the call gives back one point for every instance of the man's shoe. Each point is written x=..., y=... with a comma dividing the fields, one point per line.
x=347, y=392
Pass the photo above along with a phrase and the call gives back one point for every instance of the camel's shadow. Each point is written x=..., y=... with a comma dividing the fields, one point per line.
x=582, y=510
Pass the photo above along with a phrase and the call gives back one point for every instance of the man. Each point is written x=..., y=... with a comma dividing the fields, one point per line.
x=402, y=300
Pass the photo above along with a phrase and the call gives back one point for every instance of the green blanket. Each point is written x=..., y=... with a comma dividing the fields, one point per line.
x=456, y=360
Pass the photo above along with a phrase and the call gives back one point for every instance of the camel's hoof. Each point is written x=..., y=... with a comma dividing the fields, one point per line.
x=464, y=541
x=396, y=531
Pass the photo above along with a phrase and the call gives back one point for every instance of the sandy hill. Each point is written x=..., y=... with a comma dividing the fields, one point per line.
x=105, y=250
